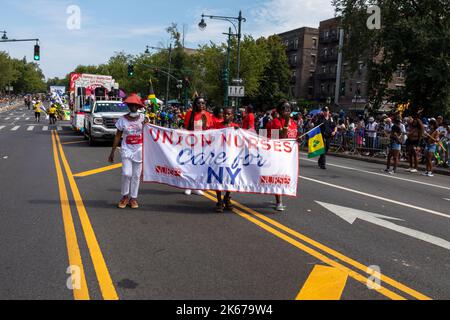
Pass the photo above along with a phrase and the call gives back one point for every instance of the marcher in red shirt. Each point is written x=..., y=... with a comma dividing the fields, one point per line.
x=228, y=116
x=249, y=119
x=287, y=130
x=197, y=119
x=217, y=116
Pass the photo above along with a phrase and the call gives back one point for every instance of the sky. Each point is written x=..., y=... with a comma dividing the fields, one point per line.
x=106, y=27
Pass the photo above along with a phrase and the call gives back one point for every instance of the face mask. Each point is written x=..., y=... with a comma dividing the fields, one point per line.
x=134, y=114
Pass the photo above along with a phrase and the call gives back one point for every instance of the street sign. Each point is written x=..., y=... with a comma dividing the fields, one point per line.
x=236, y=91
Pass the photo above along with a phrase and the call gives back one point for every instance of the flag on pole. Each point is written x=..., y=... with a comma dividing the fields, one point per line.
x=152, y=97
x=316, y=147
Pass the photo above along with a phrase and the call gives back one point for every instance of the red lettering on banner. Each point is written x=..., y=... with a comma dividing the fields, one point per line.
x=157, y=135
x=252, y=143
x=206, y=140
x=287, y=147
x=275, y=180
x=194, y=140
x=168, y=171
x=242, y=142
x=226, y=140
x=277, y=146
x=168, y=137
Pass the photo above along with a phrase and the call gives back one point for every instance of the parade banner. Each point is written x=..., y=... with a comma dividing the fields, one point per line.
x=228, y=159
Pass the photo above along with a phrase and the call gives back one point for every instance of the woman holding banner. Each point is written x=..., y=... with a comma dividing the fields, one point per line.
x=228, y=115
x=129, y=129
x=197, y=119
x=287, y=130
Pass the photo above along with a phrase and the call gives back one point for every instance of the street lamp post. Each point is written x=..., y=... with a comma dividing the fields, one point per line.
x=147, y=51
x=238, y=29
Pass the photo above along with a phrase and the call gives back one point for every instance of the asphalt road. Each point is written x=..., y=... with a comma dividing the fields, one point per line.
x=177, y=247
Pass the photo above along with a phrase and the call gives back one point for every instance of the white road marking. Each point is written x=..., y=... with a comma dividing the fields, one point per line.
x=15, y=128
x=445, y=215
x=58, y=128
x=27, y=119
x=17, y=119
x=383, y=175
x=45, y=128
x=30, y=128
x=2, y=127
x=351, y=215
x=7, y=118
x=446, y=199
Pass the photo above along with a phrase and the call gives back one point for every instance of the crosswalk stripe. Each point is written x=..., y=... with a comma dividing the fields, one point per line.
x=45, y=128
x=17, y=118
x=27, y=119
x=15, y=128
x=7, y=118
x=2, y=127
x=30, y=128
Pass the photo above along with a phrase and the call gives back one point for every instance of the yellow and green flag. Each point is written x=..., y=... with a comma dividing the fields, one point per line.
x=152, y=97
x=316, y=147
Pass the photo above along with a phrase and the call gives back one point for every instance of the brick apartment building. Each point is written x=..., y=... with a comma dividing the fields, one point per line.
x=313, y=56
x=301, y=49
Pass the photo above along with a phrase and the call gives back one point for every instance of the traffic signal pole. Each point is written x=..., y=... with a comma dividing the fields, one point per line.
x=227, y=70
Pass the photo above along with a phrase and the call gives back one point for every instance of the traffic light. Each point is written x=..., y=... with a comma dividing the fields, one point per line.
x=225, y=76
x=37, y=53
x=130, y=70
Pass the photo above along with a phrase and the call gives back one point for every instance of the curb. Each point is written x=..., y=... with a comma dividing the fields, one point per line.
x=441, y=171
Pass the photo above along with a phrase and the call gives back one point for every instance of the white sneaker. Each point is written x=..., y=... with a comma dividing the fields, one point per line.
x=280, y=207
x=409, y=170
x=425, y=173
x=392, y=172
x=199, y=192
x=430, y=174
x=413, y=171
x=188, y=192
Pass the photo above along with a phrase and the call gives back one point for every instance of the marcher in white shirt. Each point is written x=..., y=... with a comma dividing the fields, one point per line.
x=129, y=129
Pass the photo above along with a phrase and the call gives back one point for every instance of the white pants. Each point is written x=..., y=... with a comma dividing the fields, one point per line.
x=131, y=177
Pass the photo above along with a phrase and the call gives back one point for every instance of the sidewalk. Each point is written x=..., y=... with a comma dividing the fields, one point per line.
x=7, y=107
x=381, y=161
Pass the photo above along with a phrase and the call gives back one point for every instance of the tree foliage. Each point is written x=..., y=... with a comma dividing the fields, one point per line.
x=264, y=69
x=23, y=76
x=414, y=35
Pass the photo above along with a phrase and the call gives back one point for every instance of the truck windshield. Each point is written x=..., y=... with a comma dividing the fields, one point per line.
x=111, y=107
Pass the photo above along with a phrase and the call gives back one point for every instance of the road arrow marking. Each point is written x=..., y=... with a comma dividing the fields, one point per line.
x=351, y=215
x=323, y=283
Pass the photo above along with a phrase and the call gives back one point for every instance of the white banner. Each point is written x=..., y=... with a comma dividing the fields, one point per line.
x=224, y=160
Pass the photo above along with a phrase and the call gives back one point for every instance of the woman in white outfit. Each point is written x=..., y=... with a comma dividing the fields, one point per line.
x=129, y=129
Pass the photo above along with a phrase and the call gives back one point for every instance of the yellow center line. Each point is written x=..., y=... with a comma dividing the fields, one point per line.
x=99, y=170
x=323, y=283
x=72, y=142
x=104, y=279
x=73, y=250
x=324, y=248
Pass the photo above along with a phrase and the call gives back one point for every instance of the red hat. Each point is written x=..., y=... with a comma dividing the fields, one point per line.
x=134, y=99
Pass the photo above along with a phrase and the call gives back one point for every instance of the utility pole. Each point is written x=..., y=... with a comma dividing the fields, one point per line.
x=168, y=76
x=227, y=70
x=337, y=90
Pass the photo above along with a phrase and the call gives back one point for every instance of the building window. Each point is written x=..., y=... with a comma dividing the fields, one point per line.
x=294, y=58
x=324, y=69
x=322, y=88
x=313, y=59
x=294, y=73
x=286, y=43
x=296, y=44
x=314, y=43
x=325, y=52
x=326, y=34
